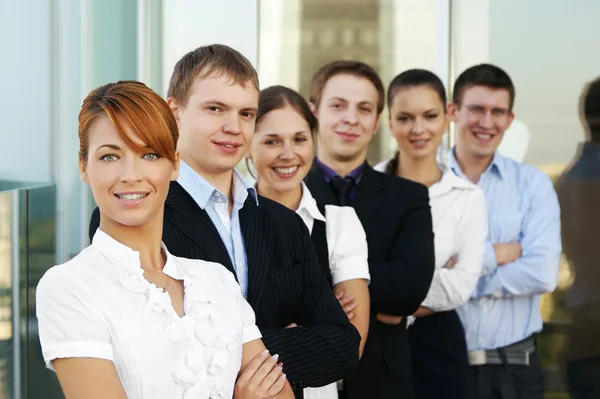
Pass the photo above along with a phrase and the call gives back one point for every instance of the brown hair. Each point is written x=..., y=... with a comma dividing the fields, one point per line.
x=278, y=97
x=343, y=67
x=216, y=59
x=133, y=103
x=486, y=75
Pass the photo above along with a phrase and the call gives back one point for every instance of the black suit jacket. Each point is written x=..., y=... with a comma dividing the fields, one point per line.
x=285, y=284
x=396, y=216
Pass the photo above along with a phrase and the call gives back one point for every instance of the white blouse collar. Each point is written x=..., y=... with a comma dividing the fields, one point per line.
x=309, y=205
x=450, y=181
x=130, y=259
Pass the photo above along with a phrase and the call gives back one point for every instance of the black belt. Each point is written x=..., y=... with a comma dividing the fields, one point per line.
x=517, y=353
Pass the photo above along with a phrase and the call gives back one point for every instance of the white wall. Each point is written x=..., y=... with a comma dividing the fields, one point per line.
x=189, y=24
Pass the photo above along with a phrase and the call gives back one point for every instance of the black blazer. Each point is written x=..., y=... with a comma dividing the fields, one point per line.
x=285, y=284
x=396, y=216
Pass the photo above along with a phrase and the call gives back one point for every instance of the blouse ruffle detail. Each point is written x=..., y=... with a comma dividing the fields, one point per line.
x=210, y=322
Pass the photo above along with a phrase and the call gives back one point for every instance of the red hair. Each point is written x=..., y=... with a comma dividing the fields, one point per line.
x=138, y=106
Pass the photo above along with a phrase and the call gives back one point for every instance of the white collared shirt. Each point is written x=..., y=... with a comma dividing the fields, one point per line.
x=348, y=254
x=459, y=218
x=346, y=238
x=99, y=305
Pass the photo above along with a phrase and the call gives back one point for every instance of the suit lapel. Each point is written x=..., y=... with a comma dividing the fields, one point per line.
x=369, y=194
x=258, y=241
x=318, y=186
x=184, y=214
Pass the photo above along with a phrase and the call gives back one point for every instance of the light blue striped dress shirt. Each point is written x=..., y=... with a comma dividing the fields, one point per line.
x=215, y=204
x=522, y=206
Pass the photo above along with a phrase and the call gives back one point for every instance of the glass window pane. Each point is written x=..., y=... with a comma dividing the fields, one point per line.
x=547, y=49
x=297, y=37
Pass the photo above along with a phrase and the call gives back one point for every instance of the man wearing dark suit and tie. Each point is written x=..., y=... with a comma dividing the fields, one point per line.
x=348, y=97
x=213, y=214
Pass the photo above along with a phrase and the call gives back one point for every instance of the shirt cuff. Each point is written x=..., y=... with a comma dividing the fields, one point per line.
x=437, y=299
x=76, y=349
x=489, y=260
x=350, y=268
x=251, y=333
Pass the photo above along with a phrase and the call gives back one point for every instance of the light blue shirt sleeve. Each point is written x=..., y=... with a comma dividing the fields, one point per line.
x=489, y=259
x=536, y=272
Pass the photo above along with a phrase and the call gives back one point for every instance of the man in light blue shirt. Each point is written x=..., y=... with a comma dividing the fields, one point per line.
x=524, y=243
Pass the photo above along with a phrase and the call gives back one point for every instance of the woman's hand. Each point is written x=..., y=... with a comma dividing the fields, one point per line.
x=347, y=303
x=451, y=262
x=261, y=378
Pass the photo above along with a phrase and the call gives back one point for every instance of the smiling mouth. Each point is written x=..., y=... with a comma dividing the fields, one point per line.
x=348, y=135
x=286, y=171
x=484, y=136
x=131, y=197
x=419, y=142
x=227, y=145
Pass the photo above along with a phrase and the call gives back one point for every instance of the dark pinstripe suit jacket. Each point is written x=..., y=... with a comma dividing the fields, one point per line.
x=285, y=284
x=396, y=217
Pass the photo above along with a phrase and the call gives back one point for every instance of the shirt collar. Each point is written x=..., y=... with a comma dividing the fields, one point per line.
x=496, y=165
x=202, y=191
x=130, y=259
x=309, y=205
x=330, y=173
x=450, y=181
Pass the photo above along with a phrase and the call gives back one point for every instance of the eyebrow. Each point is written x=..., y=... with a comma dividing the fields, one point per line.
x=424, y=112
x=116, y=147
x=484, y=107
x=365, y=102
x=277, y=134
x=111, y=146
x=223, y=105
x=338, y=99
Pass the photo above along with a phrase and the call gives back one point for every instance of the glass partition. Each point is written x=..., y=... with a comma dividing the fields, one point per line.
x=27, y=250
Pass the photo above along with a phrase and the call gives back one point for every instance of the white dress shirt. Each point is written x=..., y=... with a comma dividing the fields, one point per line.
x=348, y=254
x=459, y=218
x=99, y=305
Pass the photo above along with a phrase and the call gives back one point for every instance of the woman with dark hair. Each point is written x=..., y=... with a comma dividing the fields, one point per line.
x=281, y=154
x=125, y=318
x=418, y=120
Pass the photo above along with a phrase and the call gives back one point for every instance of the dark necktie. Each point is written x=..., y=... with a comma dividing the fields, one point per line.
x=341, y=187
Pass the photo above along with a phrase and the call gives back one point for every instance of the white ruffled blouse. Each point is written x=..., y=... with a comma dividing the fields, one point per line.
x=100, y=305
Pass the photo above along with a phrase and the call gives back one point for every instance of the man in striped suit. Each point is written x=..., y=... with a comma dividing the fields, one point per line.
x=212, y=213
x=524, y=243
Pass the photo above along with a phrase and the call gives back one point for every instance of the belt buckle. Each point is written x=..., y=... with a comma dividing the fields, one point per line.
x=477, y=357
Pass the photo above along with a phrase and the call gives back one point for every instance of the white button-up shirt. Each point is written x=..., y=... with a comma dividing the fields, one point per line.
x=348, y=254
x=99, y=305
x=346, y=238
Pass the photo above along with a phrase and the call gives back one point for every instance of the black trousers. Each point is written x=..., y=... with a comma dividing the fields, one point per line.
x=506, y=381
x=439, y=356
